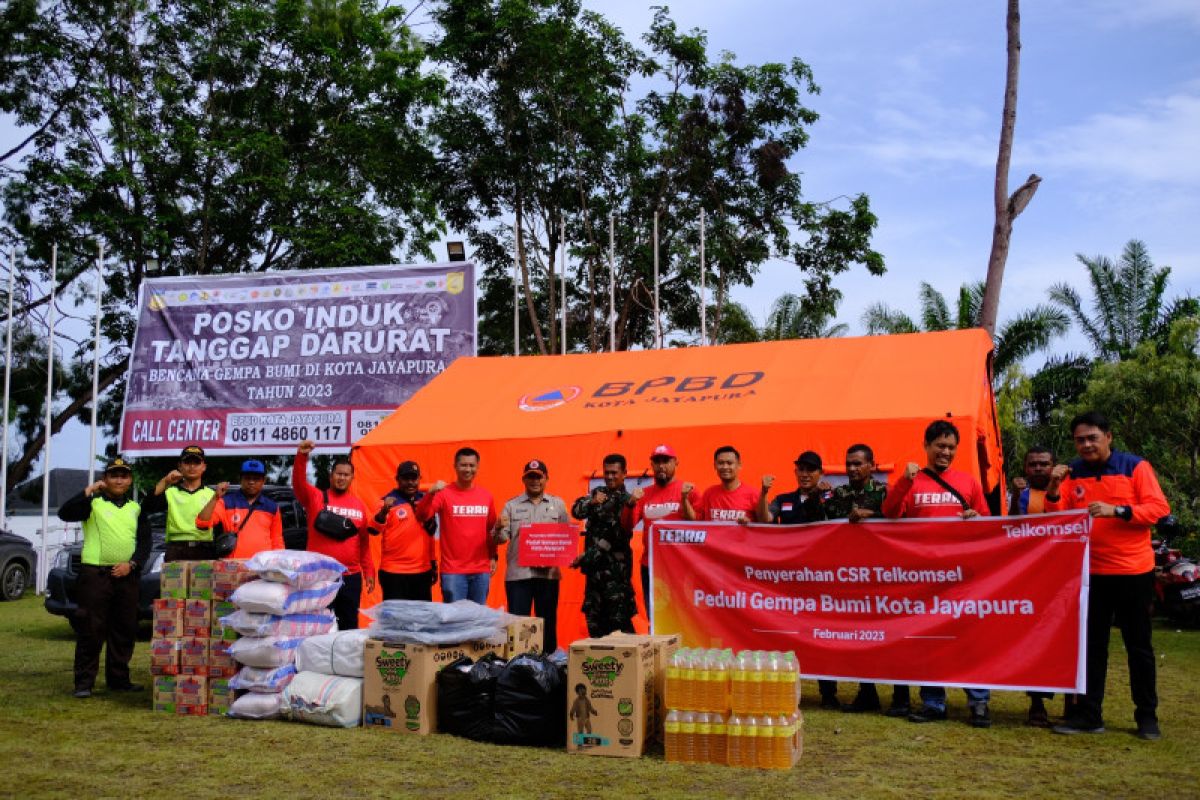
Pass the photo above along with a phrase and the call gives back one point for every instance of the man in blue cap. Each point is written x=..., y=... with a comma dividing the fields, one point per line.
x=249, y=515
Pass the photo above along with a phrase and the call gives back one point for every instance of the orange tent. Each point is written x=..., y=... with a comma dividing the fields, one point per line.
x=770, y=400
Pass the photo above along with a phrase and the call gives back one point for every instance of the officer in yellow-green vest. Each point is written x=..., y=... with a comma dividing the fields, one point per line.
x=116, y=544
x=183, y=495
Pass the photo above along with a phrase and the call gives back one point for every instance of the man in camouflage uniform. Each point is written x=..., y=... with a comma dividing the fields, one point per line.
x=607, y=559
x=858, y=499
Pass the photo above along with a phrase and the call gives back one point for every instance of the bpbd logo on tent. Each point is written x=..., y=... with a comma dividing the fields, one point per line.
x=548, y=399
x=662, y=389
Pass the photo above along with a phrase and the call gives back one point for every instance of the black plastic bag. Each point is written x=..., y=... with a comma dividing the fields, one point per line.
x=465, y=692
x=531, y=702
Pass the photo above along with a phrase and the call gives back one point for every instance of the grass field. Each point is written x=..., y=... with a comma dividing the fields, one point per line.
x=53, y=745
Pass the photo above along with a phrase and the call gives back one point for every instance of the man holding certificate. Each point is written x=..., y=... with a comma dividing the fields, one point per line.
x=534, y=588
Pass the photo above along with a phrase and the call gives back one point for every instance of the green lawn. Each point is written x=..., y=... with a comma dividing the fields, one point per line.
x=110, y=746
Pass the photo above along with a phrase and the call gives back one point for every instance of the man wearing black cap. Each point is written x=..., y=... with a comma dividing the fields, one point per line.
x=249, y=515
x=532, y=588
x=407, y=570
x=183, y=495
x=806, y=504
x=116, y=544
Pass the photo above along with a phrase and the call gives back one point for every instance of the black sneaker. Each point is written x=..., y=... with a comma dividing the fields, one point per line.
x=1148, y=730
x=862, y=702
x=829, y=702
x=898, y=710
x=980, y=716
x=1038, y=718
x=1076, y=725
x=927, y=714
x=133, y=687
x=82, y=694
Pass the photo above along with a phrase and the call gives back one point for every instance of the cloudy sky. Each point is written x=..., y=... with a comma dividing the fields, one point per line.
x=1108, y=115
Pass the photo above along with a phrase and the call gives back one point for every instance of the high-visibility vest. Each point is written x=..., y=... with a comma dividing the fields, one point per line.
x=110, y=532
x=182, y=509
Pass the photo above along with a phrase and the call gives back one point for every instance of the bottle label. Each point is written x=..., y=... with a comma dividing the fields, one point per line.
x=704, y=728
x=720, y=729
x=756, y=677
x=687, y=728
x=734, y=730
x=671, y=727
x=750, y=730
x=672, y=672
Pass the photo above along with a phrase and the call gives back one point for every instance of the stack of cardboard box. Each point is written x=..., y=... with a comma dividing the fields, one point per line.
x=189, y=654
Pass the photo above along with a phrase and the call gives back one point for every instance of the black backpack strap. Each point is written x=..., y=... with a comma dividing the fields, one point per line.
x=941, y=482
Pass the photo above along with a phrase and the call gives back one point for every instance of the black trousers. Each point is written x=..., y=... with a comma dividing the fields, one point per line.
x=190, y=551
x=539, y=595
x=345, y=604
x=107, y=617
x=406, y=585
x=1126, y=601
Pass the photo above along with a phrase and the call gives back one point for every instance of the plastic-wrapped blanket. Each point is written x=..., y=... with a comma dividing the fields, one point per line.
x=255, y=705
x=264, y=651
x=331, y=700
x=268, y=597
x=297, y=567
x=337, y=653
x=249, y=623
x=259, y=679
x=420, y=622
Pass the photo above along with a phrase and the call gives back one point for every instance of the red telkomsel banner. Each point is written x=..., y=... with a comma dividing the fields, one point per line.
x=995, y=602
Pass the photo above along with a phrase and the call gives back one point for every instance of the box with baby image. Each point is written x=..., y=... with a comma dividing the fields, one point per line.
x=400, y=682
x=665, y=645
x=610, y=697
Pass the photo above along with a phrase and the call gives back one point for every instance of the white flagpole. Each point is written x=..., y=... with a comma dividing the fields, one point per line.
x=703, y=310
x=612, y=283
x=657, y=321
x=12, y=285
x=562, y=279
x=96, y=359
x=42, y=571
x=516, y=302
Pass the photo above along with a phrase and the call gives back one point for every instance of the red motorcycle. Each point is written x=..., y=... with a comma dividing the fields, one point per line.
x=1176, y=577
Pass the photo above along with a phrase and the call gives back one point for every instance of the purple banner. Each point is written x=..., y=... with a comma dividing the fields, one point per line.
x=255, y=364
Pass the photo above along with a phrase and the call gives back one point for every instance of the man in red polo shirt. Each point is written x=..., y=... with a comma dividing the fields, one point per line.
x=249, y=514
x=354, y=553
x=728, y=501
x=938, y=491
x=661, y=500
x=466, y=518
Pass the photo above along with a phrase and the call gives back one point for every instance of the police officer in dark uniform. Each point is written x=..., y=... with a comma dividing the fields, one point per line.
x=607, y=558
x=116, y=544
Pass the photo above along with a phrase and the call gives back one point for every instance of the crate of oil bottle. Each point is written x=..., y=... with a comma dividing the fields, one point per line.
x=738, y=710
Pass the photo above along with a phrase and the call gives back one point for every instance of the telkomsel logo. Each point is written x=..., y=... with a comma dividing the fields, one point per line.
x=546, y=400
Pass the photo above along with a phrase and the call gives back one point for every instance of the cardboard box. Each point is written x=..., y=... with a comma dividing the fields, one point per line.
x=197, y=618
x=193, y=656
x=227, y=575
x=200, y=580
x=163, y=693
x=220, y=663
x=610, y=697
x=173, y=581
x=525, y=636
x=191, y=695
x=664, y=646
x=168, y=618
x=222, y=608
x=164, y=656
x=399, y=688
x=220, y=696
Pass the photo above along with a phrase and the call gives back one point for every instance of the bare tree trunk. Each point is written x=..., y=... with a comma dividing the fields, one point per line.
x=1002, y=230
x=551, y=252
x=530, y=308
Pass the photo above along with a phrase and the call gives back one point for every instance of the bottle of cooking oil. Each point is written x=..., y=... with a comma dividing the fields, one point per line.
x=765, y=742
x=703, y=737
x=733, y=740
x=671, y=736
x=687, y=737
x=674, y=680
x=749, y=741
x=718, y=744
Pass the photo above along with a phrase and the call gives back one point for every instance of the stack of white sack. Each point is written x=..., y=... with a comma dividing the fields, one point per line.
x=275, y=614
x=419, y=622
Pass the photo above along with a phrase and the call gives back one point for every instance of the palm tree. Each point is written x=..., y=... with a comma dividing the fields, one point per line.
x=789, y=318
x=1128, y=305
x=1030, y=331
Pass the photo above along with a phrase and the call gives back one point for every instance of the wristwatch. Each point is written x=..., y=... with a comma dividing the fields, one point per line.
x=1124, y=512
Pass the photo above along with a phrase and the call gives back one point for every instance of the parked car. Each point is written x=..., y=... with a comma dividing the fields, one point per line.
x=18, y=564
x=60, y=584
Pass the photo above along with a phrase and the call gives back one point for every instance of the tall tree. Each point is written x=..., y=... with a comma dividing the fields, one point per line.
x=1022, y=336
x=209, y=136
x=1129, y=304
x=1007, y=208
